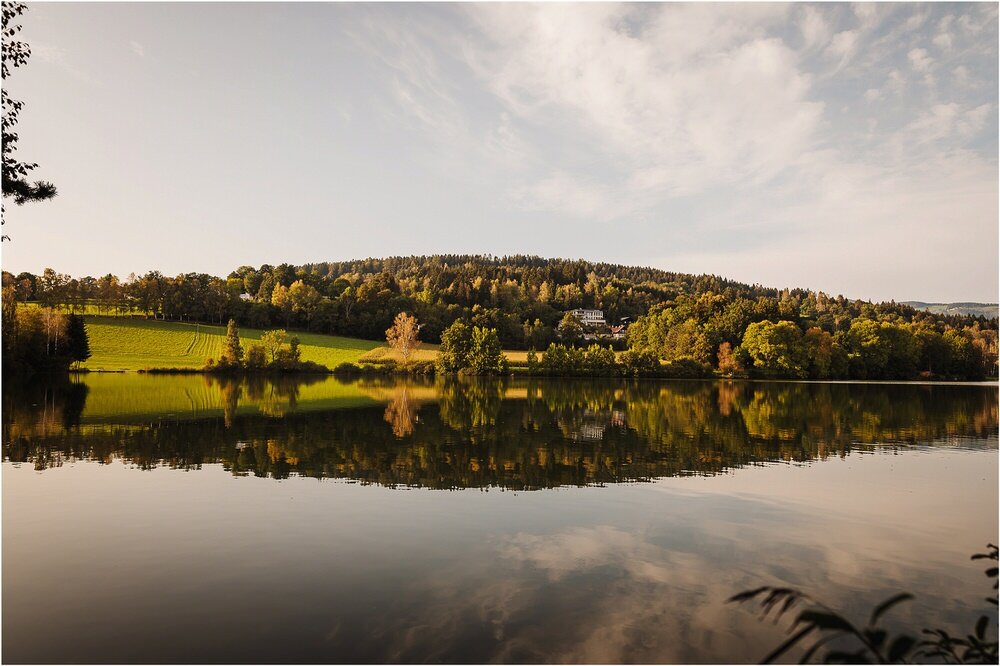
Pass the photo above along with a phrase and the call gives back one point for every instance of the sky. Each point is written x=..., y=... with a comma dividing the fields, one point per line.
x=845, y=148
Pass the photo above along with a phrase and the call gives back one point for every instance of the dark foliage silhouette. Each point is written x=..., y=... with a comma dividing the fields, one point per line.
x=841, y=641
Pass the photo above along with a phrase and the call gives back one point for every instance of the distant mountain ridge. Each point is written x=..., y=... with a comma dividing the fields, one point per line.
x=989, y=310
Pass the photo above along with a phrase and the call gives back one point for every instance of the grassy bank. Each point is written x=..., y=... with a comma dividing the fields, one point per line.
x=118, y=343
x=123, y=343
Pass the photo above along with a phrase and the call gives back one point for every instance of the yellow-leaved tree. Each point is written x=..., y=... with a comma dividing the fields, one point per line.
x=402, y=335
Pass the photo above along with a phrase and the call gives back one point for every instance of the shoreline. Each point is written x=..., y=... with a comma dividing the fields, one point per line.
x=520, y=375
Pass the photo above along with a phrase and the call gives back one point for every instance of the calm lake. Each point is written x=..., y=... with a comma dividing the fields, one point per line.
x=190, y=519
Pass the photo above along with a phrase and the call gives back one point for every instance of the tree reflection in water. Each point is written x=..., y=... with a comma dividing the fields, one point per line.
x=492, y=432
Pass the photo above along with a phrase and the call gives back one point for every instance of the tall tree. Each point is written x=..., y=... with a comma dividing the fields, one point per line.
x=402, y=335
x=456, y=343
x=232, y=351
x=77, y=342
x=486, y=355
x=729, y=365
x=776, y=349
x=273, y=341
x=280, y=300
x=304, y=298
x=570, y=329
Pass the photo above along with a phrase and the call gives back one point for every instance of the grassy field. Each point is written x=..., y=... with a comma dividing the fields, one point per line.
x=118, y=343
x=122, y=343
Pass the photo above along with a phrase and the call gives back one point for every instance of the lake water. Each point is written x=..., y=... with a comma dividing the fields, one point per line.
x=188, y=519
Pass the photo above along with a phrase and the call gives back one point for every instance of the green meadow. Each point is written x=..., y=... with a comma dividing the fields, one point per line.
x=120, y=343
x=123, y=343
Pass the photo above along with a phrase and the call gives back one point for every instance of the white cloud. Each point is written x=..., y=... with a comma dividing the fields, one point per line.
x=943, y=121
x=919, y=60
x=724, y=104
x=973, y=120
x=843, y=45
x=728, y=124
x=815, y=29
x=943, y=41
x=137, y=48
x=896, y=81
x=915, y=21
x=971, y=25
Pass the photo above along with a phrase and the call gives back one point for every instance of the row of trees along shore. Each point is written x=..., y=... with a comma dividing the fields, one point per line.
x=730, y=327
x=41, y=339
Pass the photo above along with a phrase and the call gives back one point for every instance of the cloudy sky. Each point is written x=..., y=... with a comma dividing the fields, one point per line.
x=845, y=148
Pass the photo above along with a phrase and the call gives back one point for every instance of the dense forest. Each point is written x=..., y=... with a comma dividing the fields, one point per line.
x=730, y=326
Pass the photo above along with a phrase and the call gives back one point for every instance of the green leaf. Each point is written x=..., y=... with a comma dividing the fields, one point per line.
x=887, y=604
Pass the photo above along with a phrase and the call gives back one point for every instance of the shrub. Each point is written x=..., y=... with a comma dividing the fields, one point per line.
x=532, y=360
x=600, y=361
x=638, y=363
x=256, y=357
x=562, y=360
x=687, y=368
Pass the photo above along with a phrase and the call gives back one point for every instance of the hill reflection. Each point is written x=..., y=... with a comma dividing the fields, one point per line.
x=508, y=434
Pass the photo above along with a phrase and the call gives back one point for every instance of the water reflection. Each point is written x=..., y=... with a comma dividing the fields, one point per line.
x=479, y=433
x=130, y=566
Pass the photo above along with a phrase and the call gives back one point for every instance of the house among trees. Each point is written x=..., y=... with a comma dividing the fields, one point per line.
x=589, y=317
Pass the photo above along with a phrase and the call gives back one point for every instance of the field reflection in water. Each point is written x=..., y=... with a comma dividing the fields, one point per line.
x=652, y=502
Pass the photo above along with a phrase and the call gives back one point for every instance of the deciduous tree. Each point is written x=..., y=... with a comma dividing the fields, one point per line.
x=16, y=173
x=402, y=335
x=273, y=341
x=456, y=343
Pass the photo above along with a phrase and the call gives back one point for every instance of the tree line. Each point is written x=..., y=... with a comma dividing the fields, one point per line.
x=679, y=317
x=813, y=338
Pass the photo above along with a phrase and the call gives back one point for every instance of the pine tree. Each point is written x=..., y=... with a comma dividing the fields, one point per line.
x=78, y=344
x=232, y=353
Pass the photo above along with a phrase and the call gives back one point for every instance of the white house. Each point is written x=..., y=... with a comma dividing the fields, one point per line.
x=589, y=317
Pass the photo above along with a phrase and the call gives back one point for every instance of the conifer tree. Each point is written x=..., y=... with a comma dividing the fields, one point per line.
x=78, y=343
x=232, y=353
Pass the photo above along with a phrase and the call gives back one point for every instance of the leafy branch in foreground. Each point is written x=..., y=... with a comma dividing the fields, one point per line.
x=874, y=645
x=16, y=172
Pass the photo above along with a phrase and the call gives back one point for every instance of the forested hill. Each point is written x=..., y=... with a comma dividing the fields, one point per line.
x=988, y=310
x=444, y=268
x=523, y=297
